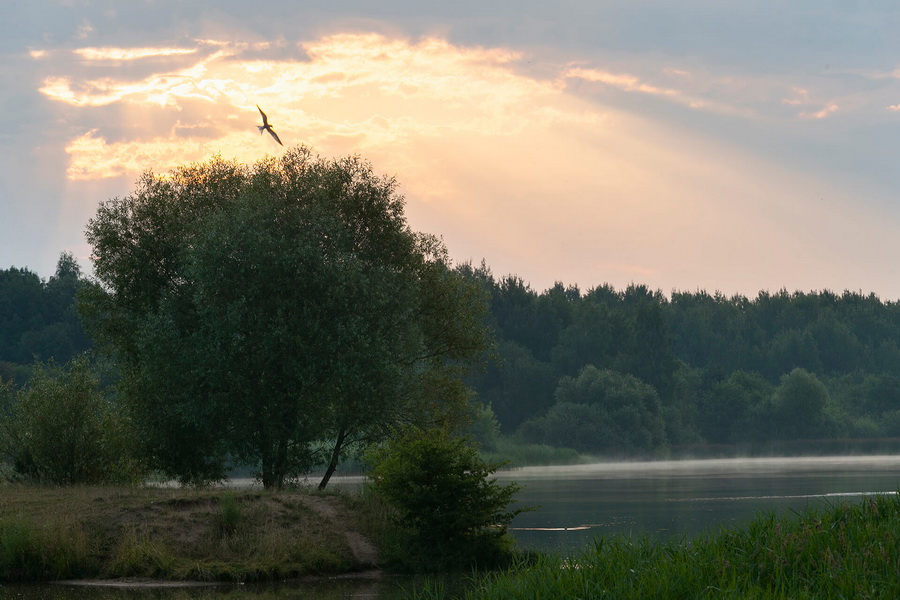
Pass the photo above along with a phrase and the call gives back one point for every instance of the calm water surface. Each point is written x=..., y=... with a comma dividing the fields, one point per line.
x=675, y=499
x=664, y=500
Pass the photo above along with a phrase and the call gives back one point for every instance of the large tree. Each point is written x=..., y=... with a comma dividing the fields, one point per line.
x=277, y=313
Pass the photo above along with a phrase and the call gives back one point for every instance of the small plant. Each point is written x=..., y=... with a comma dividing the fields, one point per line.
x=230, y=515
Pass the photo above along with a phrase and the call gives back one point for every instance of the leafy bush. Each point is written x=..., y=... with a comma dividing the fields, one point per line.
x=447, y=512
x=60, y=429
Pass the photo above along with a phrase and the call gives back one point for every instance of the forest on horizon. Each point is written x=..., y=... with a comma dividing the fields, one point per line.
x=630, y=372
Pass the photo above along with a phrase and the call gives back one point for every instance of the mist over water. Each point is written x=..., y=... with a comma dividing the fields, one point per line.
x=681, y=499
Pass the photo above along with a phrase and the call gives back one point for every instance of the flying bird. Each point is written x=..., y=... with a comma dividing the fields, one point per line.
x=265, y=126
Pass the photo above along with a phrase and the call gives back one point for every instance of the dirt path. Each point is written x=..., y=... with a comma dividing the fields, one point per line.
x=363, y=550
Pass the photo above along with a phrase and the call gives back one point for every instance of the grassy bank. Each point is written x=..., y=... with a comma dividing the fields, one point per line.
x=62, y=533
x=845, y=551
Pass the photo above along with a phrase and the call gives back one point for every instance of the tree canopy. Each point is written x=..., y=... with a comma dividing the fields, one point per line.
x=718, y=365
x=38, y=318
x=275, y=314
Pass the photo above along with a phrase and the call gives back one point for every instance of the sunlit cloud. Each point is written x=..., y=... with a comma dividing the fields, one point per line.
x=363, y=89
x=624, y=81
x=800, y=97
x=742, y=97
x=93, y=157
x=797, y=97
x=824, y=113
x=482, y=150
x=110, y=53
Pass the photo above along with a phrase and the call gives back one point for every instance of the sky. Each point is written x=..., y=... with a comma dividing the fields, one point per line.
x=726, y=146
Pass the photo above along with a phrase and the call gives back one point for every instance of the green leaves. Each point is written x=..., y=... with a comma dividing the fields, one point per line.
x=602, y=411
x=60, y=429
x=263, y=309
x=450, y=513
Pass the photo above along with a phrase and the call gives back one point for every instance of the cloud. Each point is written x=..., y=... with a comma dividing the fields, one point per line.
x=119, y=54
x=513, y=168
x=623, y=81
x=367, y=88
x=85, y=30
x=826, y=112
x=744, y=96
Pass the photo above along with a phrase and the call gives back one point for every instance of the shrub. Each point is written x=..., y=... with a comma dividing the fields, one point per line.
x=60, y=429
x=448, y=513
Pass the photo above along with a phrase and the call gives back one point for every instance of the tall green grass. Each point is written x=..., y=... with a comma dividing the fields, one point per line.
x=521, y=455
x=844, y=551
x=37, y=551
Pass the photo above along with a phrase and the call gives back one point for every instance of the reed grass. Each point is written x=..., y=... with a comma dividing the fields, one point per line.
x=836, y=552
x=53, y=549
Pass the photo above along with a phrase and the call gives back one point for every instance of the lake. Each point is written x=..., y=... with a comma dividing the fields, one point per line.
x=675, y=499
x=664, y=500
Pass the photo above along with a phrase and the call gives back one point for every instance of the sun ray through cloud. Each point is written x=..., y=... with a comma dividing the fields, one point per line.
x=474, y=137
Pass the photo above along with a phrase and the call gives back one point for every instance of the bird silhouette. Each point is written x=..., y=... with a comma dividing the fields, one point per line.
x=265, y=126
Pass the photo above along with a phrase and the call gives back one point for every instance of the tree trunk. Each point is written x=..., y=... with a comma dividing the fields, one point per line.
x=266, y=470
x=281, y=461
x=335, y=457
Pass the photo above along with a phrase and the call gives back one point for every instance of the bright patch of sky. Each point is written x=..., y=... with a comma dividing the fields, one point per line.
x=721, y=146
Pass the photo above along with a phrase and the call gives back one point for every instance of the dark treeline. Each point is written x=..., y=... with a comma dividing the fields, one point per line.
x=615, y=372
x=38, y=319
x=633, y=371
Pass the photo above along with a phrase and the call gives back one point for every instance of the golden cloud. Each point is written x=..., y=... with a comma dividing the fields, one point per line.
x=483, y=150
x=365, y=89
x=624, y=81
x=119, y=54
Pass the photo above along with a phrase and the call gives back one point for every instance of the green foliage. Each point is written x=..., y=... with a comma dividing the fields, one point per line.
x=38, y=318
x=601, y=412
x=713, y=360
x=485, y=429
x=60, y=429
x=800, y=408
x=845, y=551
x=263, y=313
x=214, y=229
x=518, y=385
x=730, y=408
x=449, y=512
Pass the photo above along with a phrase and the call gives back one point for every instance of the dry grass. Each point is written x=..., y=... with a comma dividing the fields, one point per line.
x=54, y=533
